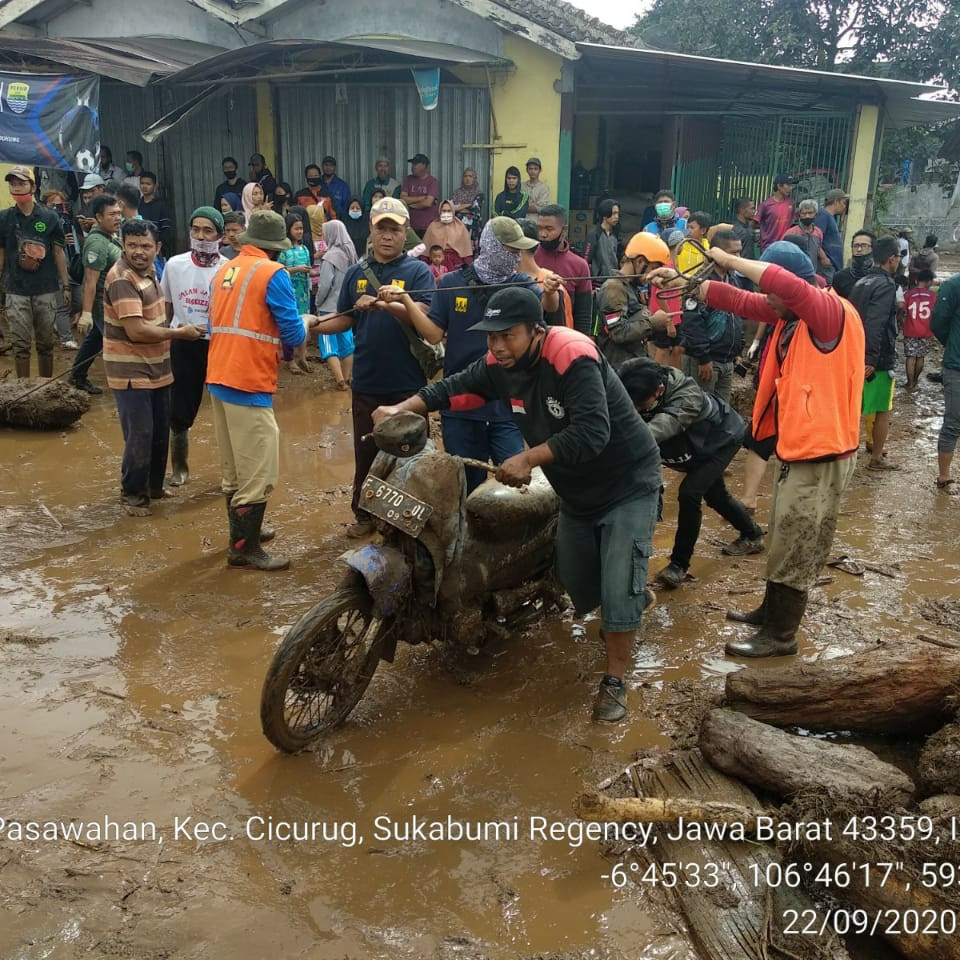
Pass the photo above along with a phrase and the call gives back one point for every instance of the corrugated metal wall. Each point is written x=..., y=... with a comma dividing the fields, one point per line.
x=187, y=159
x=379, y=119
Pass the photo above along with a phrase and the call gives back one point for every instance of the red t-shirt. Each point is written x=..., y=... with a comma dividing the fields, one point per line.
x=774, y=217
x=918, y=304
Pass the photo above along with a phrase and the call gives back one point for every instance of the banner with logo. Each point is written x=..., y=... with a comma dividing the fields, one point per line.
x=427, y=80
x=50, y=120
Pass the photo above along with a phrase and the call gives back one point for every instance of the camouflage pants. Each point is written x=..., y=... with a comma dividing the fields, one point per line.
x=32, y=318
x=803, y=519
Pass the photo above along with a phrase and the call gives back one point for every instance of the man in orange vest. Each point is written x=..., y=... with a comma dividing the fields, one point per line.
x=253, y=312
x=809, y=398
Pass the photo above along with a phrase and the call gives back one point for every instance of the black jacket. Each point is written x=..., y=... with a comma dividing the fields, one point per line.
x=690, y=425
x=711, y=335
x=875, y=297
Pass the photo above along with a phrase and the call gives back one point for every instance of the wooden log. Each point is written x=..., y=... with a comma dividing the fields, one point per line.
x=786, y=764
x=939, y=764
x=904, y=691
x=38, y=403
x=602, y=809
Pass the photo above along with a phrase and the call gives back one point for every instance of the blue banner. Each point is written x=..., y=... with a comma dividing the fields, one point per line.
x=50, y=120
x=427, y=80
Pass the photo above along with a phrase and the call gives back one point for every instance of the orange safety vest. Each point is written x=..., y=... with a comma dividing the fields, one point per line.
x=812, y=400
x=244, y=337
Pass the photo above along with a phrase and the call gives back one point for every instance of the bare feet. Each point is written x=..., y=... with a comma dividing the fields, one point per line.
x=295, y=368
x=135, y=511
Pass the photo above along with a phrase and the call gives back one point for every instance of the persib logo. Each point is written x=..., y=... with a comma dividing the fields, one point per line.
x=18, y=96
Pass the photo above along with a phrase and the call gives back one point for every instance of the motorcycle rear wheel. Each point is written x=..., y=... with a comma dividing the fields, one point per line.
x=322, y=668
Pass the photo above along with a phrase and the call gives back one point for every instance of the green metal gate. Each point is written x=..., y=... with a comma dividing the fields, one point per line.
x=814, y=148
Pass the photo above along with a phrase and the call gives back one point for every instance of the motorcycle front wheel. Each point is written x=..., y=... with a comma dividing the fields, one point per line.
x=322, y=668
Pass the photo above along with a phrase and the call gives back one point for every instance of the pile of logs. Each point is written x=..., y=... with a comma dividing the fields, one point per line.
x=858, y=832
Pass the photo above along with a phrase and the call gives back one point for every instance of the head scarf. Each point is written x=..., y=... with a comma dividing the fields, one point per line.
x=467, y=194
x=340, y=249
x=318, y=217
x=495, y=263
x=301, y=214
x=450, y=236
x=246, y=199
x=234, y=200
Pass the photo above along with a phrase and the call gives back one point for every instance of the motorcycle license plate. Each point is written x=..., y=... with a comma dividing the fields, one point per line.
x=398, y=508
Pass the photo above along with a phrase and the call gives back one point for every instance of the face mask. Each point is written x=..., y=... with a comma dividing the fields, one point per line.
x=529, y=358
x=355, y=214
x=863, y=261
x=128, y=167
x=663, y=209
x=314, y=181
x=205, y=252
x=230, y=174
x=551, y=244
x=446, y=217
x=806, y=221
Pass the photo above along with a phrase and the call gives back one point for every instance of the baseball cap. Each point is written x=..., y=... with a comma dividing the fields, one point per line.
x=790, y=257
x=508, y=307
x=535, y=160
x=674, y=237
x=510, y=234
x=21, y=173
x=834, y=195
x=329, y=159
x=389, y=208
x=90, y=181
x=783, y=178
x=420, y=158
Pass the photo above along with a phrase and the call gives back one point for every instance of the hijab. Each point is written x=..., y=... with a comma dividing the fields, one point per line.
x=234, y=200
x=451, y=236
x=246, y=199
x=340, y=249
x=318, y=217
x=467, y=194
x=494, y=263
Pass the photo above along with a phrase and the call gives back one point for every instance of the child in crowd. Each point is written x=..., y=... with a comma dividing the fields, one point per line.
x=918, y=305
x=436, y=261
x=297, y=261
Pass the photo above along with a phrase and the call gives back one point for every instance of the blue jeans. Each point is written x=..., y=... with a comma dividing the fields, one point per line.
x=145, y=421
x=494, y=440
x=91, y=346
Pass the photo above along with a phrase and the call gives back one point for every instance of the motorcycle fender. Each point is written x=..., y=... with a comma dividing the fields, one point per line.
x=386, y=573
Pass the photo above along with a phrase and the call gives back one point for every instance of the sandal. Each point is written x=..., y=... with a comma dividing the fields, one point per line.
x=945, y=484
x=882, y=465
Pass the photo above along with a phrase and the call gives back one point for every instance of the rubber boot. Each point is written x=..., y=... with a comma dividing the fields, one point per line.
x=22, y=365
x=753, y=617
x=267, y=533
x=245, y=549
x=45, y=366
x=179, y=448
x=778, y=635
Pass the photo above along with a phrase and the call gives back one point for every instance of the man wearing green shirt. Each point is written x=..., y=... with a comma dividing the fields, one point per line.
x=101, y=250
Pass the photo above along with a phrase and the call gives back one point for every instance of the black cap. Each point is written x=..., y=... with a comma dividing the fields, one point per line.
x=783, y=178
x=329, y=159
x=508, y=307
x=420, y=158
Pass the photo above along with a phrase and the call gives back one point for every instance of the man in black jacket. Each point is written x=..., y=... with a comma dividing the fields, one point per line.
x=861, y=263
x=698, y=435
x=713, y=339
x=599, y=456
x=875, y=297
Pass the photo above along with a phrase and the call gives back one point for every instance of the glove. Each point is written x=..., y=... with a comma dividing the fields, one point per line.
x=85, y=324
x=752, y=351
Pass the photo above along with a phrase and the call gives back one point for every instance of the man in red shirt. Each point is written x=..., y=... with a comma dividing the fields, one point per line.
x=776, y=213
x=421, y=193
x=555, y=254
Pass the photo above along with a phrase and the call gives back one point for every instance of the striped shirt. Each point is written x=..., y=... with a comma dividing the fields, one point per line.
x=142, y=366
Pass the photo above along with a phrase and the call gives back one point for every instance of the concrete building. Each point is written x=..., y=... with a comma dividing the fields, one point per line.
x=189, y=81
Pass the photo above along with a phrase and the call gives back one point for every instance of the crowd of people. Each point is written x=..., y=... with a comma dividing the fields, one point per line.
x=597, y=368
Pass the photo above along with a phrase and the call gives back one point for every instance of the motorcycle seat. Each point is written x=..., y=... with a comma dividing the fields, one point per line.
x=494, y=509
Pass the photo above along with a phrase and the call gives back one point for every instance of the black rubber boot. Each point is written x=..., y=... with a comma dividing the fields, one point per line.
x=754, y=617
x=778, y=635
x=22, y=366
x=45, y=366
x=267, y=533
x=179, y=449
x=245, y=549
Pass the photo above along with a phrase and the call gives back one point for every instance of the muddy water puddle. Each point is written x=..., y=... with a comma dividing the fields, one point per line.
x=130, y=689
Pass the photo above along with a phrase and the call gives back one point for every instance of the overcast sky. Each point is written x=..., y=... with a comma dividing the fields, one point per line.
x=618, y=13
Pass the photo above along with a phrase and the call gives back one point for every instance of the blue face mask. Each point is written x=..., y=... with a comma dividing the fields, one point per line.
x=355, y=214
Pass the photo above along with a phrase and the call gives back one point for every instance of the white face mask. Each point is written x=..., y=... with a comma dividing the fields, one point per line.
x=355, y=214
x=446, y=217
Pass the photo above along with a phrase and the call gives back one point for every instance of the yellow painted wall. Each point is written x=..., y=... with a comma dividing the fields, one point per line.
x=266, y=125
x=527, y=111
x=861, y=169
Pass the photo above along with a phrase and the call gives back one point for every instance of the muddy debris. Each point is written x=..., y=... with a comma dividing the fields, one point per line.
x=24, y=639
x=939, y=764
x=37, y=403
x=941, y=611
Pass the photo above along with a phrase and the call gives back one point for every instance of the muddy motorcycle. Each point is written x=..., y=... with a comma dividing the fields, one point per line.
x=451, y=569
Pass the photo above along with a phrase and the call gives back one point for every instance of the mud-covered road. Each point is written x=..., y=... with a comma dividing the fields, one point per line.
x=131, y=661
